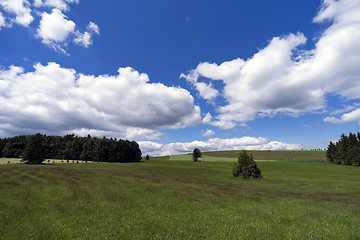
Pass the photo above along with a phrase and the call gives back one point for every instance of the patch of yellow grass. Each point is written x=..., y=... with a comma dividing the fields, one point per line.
x=10, y=160
x=47, y=161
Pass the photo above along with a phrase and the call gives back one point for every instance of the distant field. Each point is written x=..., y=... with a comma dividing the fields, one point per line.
x=231, y=156
x=222, y=156
x=160, y=199
x=273, y=155
x=188, y=157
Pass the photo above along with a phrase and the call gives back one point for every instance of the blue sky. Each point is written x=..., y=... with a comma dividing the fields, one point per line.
x=175, y=75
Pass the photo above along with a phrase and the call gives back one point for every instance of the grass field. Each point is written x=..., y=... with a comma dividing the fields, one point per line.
x=231, y=156
x=273, y=155
x=161, y=199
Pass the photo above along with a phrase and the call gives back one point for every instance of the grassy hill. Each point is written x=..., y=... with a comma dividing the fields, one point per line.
x=163, y=199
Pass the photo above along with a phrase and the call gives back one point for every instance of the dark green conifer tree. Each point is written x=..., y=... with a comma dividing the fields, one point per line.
x=346, y=151
x=246, y=166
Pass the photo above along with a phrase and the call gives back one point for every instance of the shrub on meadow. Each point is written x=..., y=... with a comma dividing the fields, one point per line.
x=246, y=167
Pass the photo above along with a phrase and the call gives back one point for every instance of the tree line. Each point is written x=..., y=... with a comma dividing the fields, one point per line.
x=346, y=151
x=71, y=147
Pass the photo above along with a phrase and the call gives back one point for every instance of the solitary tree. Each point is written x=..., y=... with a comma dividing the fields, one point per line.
x=246, y=167
x=147, y=157
x=196, y=154
x=34, y=152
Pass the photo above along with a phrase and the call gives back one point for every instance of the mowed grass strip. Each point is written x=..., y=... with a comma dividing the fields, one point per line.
x=178, y=200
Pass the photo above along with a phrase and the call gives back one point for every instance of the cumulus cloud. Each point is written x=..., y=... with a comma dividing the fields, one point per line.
x=215, y=144
x=207, y=133
x=284, y=79
x=2, y=21
x=58, y=4
x=20, y=9
x=353, y=116
x=85, y=38
x=55, y=29
x=207, y=118
x=205, y=90
x=93, y=28
x=53, y=99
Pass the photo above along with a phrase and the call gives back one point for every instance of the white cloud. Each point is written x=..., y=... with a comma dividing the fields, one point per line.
x=120, y=132
x=282, y=79
x=53, y=99
x=54, y=28
x=93, y=28
x=207, y=118
x=214, y=144
x=85, y=38
x=262, y=85
x=207, y=133
x=152, y=148
x=344, y=110
x=20, y=8
x=58, y=4
x=343, y=11
x=206, y=91
x=353, y=116
x=2, y=21
x=38, y=3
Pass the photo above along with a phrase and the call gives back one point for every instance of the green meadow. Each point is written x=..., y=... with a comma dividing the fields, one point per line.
x=300, y=197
